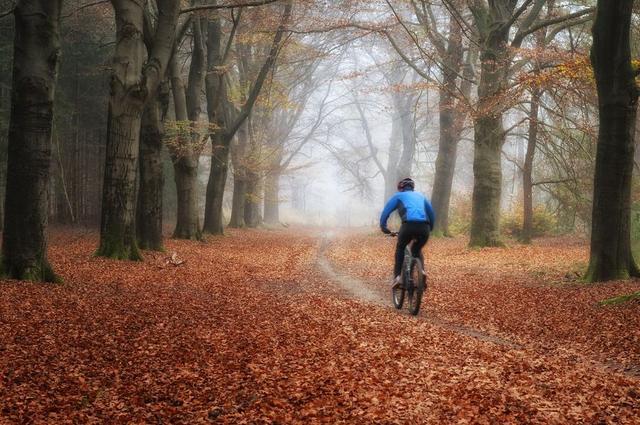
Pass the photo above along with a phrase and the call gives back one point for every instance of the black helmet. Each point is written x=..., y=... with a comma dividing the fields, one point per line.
x=405, y=184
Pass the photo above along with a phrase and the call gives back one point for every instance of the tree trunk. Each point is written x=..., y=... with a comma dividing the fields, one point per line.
x=3, y=176
x=133, y=82
x=611, y=257
x=489, y=138
x=238, y=155
x=405, y=164
x=238, y=201
x=186, y=177
x=216, y=97
x=117, y=231
x=527, y=169
x=449, y=130
x=186, y=156
x=35, y=71
x=487, y=171
x=252, y=216
x=395, y=148
x=445, y=162
x=149, y=209
x=271, y=198
x=213, y=218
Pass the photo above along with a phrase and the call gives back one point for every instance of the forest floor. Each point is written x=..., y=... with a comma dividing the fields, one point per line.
x=297, y=326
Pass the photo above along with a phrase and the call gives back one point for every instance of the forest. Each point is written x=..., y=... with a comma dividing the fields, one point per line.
x=191, y=195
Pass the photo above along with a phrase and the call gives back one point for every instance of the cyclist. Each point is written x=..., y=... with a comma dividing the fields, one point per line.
x=417, y=221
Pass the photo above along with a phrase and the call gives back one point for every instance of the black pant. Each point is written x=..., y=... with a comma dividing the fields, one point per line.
x=410, y=230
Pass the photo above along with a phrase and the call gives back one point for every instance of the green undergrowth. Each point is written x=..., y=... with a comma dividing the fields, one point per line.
x=621, y=299
x=40, y=272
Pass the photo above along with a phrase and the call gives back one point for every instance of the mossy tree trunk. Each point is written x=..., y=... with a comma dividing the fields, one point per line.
x=35, y=71
x=489, y=137
x=611, y=257
x=133, y=81
x=487, y=185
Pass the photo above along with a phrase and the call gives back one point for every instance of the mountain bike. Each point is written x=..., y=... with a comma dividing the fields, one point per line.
x=413, y=282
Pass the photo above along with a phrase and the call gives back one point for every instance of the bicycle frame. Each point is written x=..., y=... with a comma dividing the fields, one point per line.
x=413, y=289
x=408, y=256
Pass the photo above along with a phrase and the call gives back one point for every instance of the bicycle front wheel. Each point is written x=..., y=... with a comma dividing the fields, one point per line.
x=417, y=281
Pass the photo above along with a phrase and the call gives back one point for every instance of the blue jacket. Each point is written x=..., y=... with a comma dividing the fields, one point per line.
x=412, y=206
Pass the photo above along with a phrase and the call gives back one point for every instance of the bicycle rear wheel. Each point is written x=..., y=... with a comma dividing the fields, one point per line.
x=397, y=295
x=417, y=283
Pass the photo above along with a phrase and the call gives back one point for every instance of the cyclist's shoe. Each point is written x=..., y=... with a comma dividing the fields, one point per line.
x=397, y=280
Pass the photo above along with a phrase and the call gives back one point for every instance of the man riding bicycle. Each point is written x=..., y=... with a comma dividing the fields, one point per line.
x=417, y=218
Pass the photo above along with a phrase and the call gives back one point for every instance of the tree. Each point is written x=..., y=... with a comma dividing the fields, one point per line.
x=151, y=178
x=494, y=22
x=185, y=152
x=453, y=91
x=287, y=133
x=611, y=257
x=445, y=67
x=149, y=208
x=35, y=72
x=224, y=115
x=133, y=83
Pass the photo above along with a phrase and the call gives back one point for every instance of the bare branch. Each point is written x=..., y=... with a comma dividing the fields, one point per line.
x=262, y=75
x=227, y=6
x=544, y=182
x=519, y=37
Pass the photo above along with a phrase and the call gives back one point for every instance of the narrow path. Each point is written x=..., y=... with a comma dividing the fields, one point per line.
x=361, y=291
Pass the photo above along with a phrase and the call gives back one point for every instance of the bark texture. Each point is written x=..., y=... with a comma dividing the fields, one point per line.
x=489, y=136
x=216, y=97
x=133, y=83
x=187, y=153
x=149, y=209
x=611, y=257
x=35, y=71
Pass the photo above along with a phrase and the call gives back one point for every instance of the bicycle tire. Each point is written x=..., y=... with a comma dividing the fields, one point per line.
x=399, y=290
x=417, y=283
x=397, y=295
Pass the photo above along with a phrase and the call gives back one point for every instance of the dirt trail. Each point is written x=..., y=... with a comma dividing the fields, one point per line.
x=378, y=295
x=361, y=291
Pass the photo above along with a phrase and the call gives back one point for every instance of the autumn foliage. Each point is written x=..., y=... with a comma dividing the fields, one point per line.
x=248, y=328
